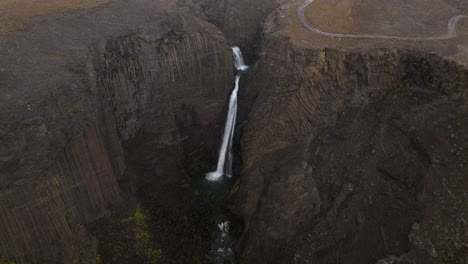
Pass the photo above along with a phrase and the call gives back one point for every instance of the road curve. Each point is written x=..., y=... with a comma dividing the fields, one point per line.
x=451, y=28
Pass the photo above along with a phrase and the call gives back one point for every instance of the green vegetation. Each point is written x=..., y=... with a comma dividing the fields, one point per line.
x=397, y=92
x=245, y=253
x=98, y=259
x=235, y=188
x=128, y=241
x=7, y=25
x=2, y=261
x=219, y=37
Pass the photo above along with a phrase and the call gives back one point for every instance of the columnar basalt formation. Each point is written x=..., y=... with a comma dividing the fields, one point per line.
x=347, y=147
x=77, y=102
x=353, y=150
x=342, y=138
x=241, y=21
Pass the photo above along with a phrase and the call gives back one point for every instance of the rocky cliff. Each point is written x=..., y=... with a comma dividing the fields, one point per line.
x=80, y=93
x=350, y=143
x=353, y=150
x=241, y=21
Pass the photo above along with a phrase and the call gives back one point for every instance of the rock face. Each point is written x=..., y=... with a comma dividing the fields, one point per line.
x=346, y=148
x=76, y=106
x=353, y=151
x=345, y=151
x=240, y=20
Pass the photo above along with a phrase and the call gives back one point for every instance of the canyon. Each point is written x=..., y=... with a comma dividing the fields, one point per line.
x=344, y=149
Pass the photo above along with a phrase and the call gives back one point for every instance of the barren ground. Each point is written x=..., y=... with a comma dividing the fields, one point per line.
x=400, y=18
x=15, y=14
x=417, y=18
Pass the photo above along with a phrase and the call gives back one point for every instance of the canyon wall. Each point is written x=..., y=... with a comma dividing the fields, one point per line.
x=77, y=104
x=350, y=152
x=345, y=150
x=241, y=21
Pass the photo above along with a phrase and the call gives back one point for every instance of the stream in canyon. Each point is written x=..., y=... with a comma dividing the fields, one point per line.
x=216, y=185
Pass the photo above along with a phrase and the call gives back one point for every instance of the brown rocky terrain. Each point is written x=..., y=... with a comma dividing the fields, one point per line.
x=407, y=18
x=17, y=14
x=80, y=92
x=351, y=142
x=241, y=20
x=353, y=150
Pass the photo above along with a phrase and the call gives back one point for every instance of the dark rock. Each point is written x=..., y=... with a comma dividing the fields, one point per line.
x=80, y=96
x=389, y=108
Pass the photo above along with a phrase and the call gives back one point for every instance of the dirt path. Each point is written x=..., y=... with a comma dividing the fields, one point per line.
x=451, y=28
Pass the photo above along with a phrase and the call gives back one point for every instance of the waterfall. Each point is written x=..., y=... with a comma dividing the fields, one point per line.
x=238, y=59
x=224, y=166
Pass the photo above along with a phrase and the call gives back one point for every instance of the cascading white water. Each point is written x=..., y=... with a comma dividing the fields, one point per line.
x=225, y=153
x=222, y=250
x=238, y=59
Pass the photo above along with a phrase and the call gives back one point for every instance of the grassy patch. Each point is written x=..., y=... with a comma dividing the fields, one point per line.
x=15, y=14
x=8, y=25
x=128, y=241
x=397, y=92
x=2, y=261
x=398, y=17
x=331, y=16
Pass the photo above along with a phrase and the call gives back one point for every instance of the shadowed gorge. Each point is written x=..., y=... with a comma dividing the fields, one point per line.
x=136, y=98
x=133, y=132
